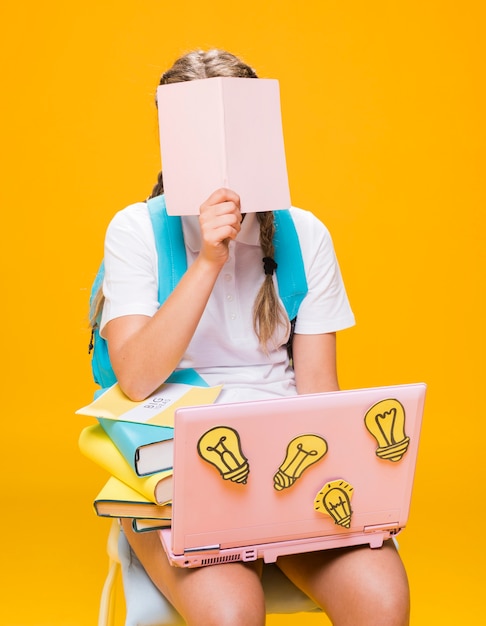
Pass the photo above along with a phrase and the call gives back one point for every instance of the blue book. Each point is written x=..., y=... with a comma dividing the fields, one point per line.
x=146, y=447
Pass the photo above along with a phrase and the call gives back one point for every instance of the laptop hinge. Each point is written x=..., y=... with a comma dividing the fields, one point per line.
x=215, y=548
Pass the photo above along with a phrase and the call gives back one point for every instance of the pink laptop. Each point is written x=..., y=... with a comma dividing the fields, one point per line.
x=263, y=479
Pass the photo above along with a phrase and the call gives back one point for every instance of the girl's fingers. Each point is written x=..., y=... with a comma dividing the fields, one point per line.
x=222, y=195
x=220, y=217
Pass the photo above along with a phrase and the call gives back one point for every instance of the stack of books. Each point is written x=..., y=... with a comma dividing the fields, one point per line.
x=134, y=443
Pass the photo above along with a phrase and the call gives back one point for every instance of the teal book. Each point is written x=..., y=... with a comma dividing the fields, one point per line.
x=147, y=448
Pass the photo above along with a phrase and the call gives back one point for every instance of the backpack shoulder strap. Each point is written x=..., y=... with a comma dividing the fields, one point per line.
x=100, y=361
x=292, y=282
x=172, y=264
x=169, y=243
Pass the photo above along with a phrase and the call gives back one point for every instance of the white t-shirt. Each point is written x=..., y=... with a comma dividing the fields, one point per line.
x=224, y=349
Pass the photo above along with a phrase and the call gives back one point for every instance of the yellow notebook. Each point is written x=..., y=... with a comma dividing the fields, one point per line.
x=95, y=444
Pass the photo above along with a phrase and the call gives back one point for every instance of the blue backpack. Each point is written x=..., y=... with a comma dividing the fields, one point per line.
x=172, y=264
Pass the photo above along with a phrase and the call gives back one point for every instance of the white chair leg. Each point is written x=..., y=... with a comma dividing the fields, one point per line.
x=108, y=593
x=106, y=615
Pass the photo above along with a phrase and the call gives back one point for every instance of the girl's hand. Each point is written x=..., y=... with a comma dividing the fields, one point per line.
x=220, y=222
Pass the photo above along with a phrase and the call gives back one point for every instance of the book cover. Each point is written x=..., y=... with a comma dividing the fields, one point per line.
x=158, y=408
x=116, y=499
x=95, y=444
x=146, y=447
x=222, y=132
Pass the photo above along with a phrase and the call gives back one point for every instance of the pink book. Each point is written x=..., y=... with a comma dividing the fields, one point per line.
x=222, y=132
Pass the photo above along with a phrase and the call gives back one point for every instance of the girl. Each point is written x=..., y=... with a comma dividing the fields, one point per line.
x=225, y=320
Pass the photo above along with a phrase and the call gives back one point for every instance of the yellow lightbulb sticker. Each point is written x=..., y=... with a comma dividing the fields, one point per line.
x=302, y=451
x=386, y=422
x=334, y=499
x=221, y=447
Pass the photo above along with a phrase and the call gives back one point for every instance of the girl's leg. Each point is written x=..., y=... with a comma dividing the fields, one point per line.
x=230, y=594
x=358, y=585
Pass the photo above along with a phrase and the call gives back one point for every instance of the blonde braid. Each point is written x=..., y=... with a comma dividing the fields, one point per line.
x=95, y=308
x=268, y=313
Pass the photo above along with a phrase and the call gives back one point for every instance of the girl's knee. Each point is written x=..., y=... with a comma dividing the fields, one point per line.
x=386, y=596
x=232, y=596
x=372, y=607
x=231, y=612
x=393, y=608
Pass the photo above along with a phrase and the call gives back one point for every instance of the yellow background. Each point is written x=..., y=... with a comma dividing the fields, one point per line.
x=383, y=106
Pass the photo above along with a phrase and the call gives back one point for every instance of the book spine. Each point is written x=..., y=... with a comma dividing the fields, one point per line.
x=129, y=438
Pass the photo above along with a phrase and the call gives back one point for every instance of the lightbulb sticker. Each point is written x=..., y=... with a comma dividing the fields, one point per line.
x=386, y=422
x=334, y=499
x=221, y=447
x=302, y=452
